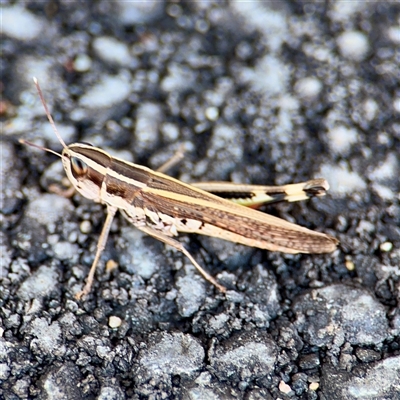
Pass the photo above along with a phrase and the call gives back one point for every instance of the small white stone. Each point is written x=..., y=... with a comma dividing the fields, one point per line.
x=342, y=180
x=270, y=76
x=138, y=12
x=386, y=246
x=212, y=113
x=388, y=169
x=82, y=63
x=384, y=191
x=170, y=131
x=20, y=24
x=350, y=266
x=393, y=34
x=148, y=119
x=85, y=226
x=110, y=90
x=114, y=322
x=396, y=104
x=284, y=387
x=308, y=88
x=341, y=138
x=371, y=109
x=112, y=50
x=353, y=45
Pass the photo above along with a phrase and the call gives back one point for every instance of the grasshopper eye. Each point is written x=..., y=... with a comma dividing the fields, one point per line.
x=78, y=166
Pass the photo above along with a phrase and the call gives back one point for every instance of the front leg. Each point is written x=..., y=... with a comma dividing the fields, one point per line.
x=101, y=244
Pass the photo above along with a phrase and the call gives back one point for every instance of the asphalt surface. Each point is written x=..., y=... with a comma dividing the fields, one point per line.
x=262, y=93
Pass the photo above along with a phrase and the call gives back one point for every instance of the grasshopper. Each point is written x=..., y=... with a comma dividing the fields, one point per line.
x=162, y=206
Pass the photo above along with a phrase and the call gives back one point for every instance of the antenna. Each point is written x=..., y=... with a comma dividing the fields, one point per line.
x=23, y=141
x=49, y=117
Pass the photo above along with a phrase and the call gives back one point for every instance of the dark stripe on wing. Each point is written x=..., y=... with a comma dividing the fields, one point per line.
x=253, y=227
x=97, y=155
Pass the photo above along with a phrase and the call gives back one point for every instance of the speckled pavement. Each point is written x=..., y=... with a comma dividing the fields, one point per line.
x=263, y=93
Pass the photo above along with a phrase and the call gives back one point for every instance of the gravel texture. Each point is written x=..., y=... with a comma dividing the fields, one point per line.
x=257, y=92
